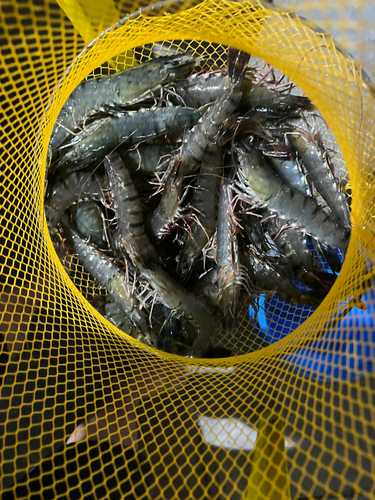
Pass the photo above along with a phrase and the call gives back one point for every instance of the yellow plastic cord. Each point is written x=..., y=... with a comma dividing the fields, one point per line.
x=269, y=473
x=90, y=17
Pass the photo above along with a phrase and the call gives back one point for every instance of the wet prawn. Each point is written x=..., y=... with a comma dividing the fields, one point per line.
x=72, y=189
x=204, y=204
x=90, y=222
x=227, y=256
x=312, y=160
x=194, y=311
x=104, y=135
x=196, y=141
x=128, y=210
x=120, y=89
x=199, y=89
x=113, y=279
x=265, y=276
x=265, y=189
x=168, y=210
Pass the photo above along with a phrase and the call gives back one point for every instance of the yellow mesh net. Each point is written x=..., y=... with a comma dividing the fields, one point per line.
x=292, y=418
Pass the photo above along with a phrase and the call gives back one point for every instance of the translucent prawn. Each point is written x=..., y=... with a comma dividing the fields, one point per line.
x=265, y=189
x=289, y=170
x=296, y=258
x=204, y=203
x=71, y=189
x=186, y=306
x=227, y=256
x=90, y=222
x=265, y=276
x=319, y=174
x=169, y=208
x=200, y=89
x=291, y=243
x=122, y=88
x=115, y=281
x=129, y=213
x=146, y=159
x=103, y=135
x=197, y=139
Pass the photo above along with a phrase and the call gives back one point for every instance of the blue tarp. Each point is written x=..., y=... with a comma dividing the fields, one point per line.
x=345, y=353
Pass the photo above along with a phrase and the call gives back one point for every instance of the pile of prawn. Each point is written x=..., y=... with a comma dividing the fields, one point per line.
x=187, y=192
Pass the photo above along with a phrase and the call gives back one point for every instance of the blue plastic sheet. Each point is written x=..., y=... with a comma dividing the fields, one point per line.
x=345, y=353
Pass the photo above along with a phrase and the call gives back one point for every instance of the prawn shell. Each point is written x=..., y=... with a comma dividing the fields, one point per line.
x=182, y=303
x=89, y=219
x=168, y=210
x=320, y=176
x=266, y=277
x=146, y=159
x=71, y=189
x=206, y=130
x=227, y=253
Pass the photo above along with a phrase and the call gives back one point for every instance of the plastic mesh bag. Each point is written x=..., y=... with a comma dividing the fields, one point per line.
x=288, y=419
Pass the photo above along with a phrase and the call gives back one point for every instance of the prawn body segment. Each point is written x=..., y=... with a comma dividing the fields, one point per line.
x=204, y=205
x=72, y=189
x=227, y=256
x=182, y=303
x=319, y=174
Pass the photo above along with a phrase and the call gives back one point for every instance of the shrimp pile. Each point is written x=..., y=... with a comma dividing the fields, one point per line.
x=187, y=192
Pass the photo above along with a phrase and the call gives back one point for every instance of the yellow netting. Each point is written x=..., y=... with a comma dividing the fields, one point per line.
x=62, y=364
